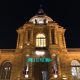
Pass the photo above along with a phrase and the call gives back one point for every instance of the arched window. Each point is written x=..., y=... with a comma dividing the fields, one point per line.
x=75, y=69
x=40, y=40
x=5, y=71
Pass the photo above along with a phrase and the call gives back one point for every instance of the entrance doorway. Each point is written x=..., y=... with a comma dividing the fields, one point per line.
x=41, y=71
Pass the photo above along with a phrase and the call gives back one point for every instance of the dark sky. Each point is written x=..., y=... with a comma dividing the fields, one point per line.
x=14, y=13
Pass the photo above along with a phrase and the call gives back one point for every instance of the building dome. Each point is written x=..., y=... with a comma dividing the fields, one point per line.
x=40, y=18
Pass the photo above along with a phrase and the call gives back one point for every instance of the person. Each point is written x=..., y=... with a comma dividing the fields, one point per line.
x=44, y=75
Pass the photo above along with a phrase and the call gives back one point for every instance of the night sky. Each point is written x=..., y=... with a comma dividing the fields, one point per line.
x=14, y=13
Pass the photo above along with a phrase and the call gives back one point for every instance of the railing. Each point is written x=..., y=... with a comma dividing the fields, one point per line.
x=13, y=50
x=7, y=50
x=73, y=49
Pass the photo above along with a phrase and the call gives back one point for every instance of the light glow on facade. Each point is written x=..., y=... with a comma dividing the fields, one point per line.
x=40, y=53
x=55, y=75
x=40, y=19
x=46, y=60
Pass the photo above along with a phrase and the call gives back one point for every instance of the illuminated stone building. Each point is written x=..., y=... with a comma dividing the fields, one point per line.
x=41, y=53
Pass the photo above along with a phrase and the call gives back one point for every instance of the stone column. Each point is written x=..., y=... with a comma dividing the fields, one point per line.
x=56, y=39
x=26, y=37
x=59, y=68
x=50, y=71
x=64, y=43
x=60, y=40
x=30, y=73
x=21, y=39
x=50, y=38
x=18, y=40
x=31, y=37
x=54, y=36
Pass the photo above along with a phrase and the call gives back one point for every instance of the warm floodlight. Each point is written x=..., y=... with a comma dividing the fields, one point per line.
x=40, y=53
x=55, y=75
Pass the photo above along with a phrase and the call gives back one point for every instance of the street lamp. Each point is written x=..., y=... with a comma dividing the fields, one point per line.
x=27, y=69
x=55, y=76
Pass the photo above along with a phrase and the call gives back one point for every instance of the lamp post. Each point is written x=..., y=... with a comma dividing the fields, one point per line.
x=27, y=69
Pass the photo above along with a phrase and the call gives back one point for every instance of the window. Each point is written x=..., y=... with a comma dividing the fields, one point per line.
x=40, y=40
x=75, y=69
x=5, y=71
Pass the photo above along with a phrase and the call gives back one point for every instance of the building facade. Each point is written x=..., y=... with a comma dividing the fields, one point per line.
x=40, y=53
